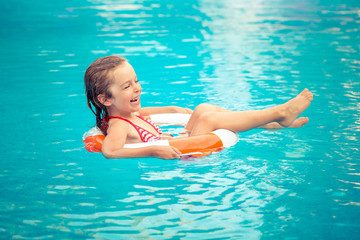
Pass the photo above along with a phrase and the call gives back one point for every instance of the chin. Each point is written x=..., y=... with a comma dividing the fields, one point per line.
x=137, y=108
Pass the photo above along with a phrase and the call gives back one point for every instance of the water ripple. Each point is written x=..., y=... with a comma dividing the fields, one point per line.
x=241, y=55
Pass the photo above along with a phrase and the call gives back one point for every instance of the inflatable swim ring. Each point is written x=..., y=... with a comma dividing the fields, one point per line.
x=194, y=146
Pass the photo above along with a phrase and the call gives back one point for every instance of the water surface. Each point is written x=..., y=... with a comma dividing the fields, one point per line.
x=291, y=184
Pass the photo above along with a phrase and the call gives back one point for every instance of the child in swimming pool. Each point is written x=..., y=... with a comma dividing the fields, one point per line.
x=113, y=94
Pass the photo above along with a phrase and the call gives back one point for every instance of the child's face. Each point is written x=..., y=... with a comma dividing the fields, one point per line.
x=125, y=90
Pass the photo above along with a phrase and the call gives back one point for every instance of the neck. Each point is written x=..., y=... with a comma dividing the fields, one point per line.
x=122, y=114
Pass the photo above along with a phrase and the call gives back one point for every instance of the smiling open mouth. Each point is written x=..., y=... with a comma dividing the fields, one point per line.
x=134, y=100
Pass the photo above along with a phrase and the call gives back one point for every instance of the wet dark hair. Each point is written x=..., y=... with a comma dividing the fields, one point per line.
x=98, y=81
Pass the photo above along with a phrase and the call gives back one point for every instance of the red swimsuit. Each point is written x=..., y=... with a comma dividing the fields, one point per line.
x=145, y=135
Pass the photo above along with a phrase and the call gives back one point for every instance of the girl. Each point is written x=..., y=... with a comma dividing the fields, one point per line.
x=113, y=94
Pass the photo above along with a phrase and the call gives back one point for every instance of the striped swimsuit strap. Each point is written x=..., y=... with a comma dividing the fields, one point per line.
x=144, y=134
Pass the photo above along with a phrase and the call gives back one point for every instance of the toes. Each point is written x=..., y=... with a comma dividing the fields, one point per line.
x=305, y=121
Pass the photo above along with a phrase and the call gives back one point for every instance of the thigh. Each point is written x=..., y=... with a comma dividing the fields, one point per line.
x=200, y=110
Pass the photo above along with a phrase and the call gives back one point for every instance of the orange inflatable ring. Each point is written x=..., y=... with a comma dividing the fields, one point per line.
x=195, y=146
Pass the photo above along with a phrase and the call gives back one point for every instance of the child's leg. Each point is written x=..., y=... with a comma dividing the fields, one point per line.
x=298, y=123
x=239, y=121
x=199, y=110
x=205, y=107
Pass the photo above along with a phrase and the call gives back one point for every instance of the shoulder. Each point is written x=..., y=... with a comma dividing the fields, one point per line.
x=118, y=125
x=117, y=134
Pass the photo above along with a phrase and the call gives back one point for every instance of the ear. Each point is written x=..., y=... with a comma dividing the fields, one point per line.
x=104, y=101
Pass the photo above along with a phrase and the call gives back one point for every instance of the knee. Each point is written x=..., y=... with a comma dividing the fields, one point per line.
x=205, y=107
x=208, y=118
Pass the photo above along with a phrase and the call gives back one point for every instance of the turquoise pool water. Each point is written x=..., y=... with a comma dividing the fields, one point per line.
x=292, y=184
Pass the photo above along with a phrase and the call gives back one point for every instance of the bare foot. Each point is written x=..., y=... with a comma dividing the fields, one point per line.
x=299, y=122
x=293, y=108
x=274, y=126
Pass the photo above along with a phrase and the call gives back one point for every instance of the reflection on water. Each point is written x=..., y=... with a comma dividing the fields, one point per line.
x=240, y=55
x=175, y=200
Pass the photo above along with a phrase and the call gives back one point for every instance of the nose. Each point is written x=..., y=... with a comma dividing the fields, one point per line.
x=137, y=87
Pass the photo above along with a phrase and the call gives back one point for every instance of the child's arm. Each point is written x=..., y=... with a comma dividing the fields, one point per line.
x=146, y=111
x=164, y=152
x=116, y=138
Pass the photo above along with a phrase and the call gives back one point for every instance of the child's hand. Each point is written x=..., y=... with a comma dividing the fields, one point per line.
x=166, y=152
